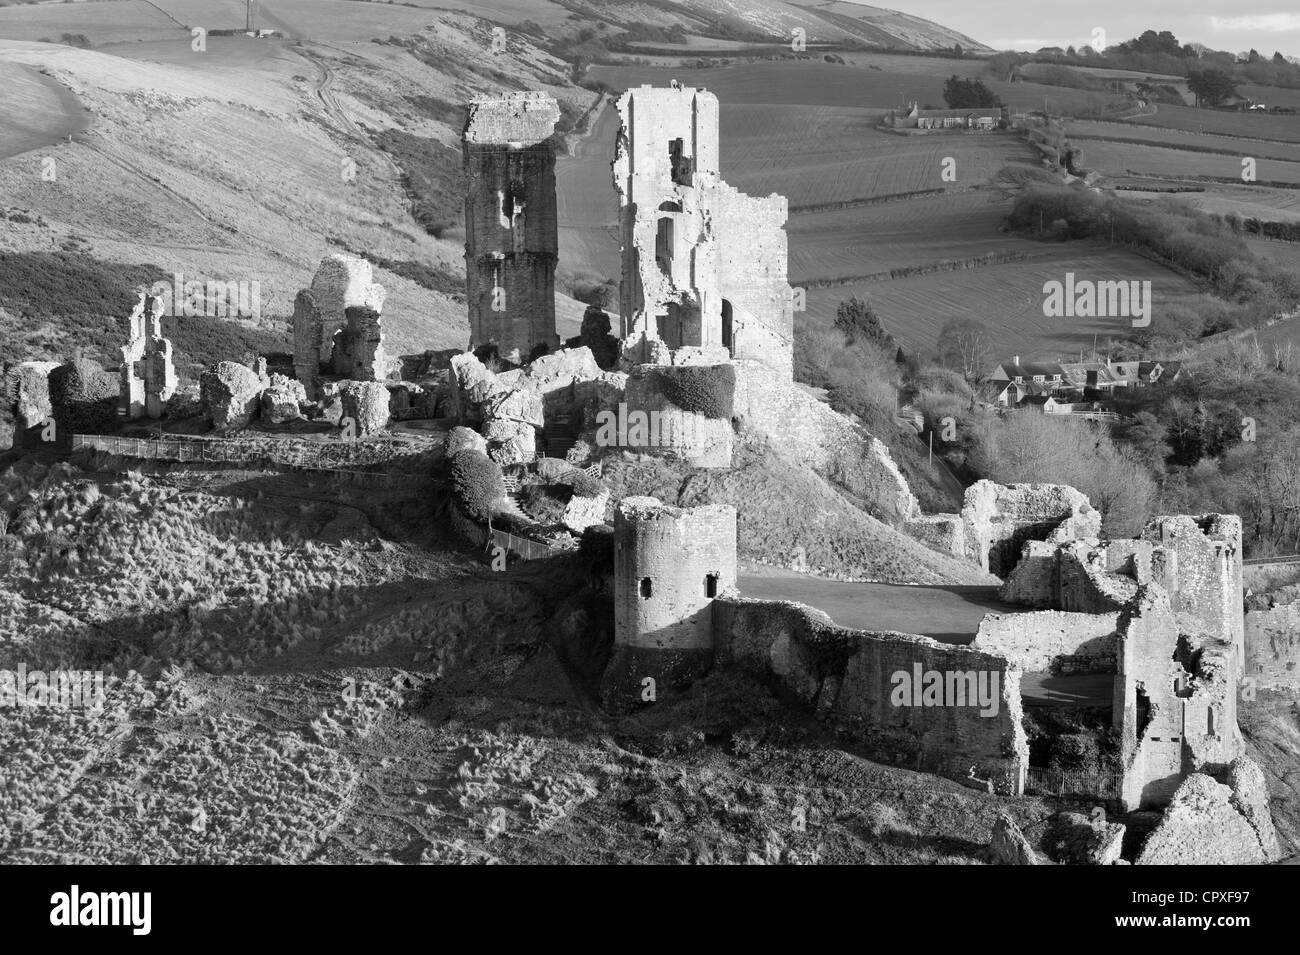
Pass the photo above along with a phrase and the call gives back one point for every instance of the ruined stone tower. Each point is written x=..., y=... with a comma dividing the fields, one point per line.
x=704, y=265
x=1180, y=657
x=669, y=565
x=336, y=325
x=511, y=242
x=148, y=375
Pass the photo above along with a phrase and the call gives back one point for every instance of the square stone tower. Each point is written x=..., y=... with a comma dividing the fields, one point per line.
x=511, y=238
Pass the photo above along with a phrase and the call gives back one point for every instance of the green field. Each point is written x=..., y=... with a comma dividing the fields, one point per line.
x=1118, y=159
x=1008, y=299
x=824, y=154
x=1283, y=128
x=1270, y=95
x=112, y=21
x=1120, y=131
x=893, y=235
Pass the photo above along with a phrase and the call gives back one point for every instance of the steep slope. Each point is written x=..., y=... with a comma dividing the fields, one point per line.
x=252, y=159
x=844, y=21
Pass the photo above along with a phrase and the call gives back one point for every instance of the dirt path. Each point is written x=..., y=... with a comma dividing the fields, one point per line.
x=948, y=614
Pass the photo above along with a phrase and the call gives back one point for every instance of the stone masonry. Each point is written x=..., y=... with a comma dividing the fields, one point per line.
x=704, y=265
x=148, y=375
x=670, y=564
x=998, y=519
x=511, y=238
x=341, y=282
x=1162, y=612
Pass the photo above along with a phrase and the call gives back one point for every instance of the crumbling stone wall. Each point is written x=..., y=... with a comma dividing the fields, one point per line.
x=359, y=346
x=1000, y=518
x=1209, y=823
x=511, y=236
x=1175, y=646
x=1272, y=641
x=1085, y=576
x=945, y=533
x=704, y=266
x=341, y=282
x=849, y=678
x=1175, y=701
x=27, y=389
x=148, y=375
x=1052, y=641
x=670, y=564
x=1198, y=563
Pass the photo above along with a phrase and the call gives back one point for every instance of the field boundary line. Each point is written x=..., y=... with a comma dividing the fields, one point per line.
x=1180, y=147
x=945, y=265
x=875, y=200
x=1178, y=129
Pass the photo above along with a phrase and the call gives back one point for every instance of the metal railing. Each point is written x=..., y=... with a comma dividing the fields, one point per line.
x=527, y=549
x=1059, y=783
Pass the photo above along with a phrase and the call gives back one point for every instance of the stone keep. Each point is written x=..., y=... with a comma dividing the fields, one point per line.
x=704, y=265
x=341, y=282
x=148, y=375
x=511, y=239
x=669, y=565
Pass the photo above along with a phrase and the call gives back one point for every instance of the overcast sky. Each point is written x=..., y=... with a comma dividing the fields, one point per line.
x=1233, y=25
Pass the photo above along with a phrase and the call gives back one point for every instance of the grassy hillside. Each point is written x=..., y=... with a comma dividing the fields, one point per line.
x=252, y=160
x=836, y=538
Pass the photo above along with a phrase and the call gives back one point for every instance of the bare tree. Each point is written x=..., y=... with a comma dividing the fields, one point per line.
x=964, y=346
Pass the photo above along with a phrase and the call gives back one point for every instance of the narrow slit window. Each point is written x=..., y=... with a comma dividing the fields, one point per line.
x=710, y=585
x=646, y=587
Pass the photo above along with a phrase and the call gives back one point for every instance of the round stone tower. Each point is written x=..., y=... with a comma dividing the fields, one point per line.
x=669, y=565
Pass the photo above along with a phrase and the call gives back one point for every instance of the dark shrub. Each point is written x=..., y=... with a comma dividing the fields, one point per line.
x=476, y=482
x=707, y=390
x=1077, y=752
x=583, y=484
x=84, y=397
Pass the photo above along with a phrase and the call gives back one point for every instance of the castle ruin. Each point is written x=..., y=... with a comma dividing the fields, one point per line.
x=1159, y=615
x=336, y=324
x=704, y=265
x=670, y=564
x=148, y=377
x=511, y=238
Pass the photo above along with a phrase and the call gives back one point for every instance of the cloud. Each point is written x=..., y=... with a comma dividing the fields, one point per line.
x=1265, y=22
